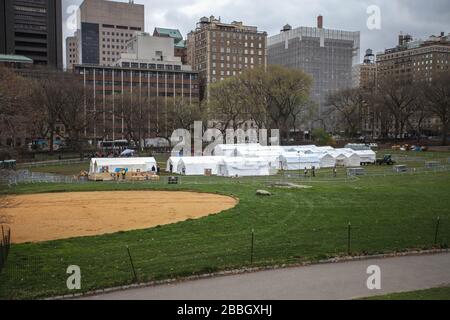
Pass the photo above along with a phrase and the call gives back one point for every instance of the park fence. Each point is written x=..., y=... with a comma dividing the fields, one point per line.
x=12, y=178
x=152, y=255
x=5, y=243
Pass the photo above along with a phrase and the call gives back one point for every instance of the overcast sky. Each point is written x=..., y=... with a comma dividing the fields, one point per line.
x=416, y=17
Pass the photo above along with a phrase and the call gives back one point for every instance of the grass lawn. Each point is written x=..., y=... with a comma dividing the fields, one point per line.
x=442, y=293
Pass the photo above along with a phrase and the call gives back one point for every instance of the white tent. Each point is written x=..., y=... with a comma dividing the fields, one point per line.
x=298, y=161
x=196, y=166
x=354, y=160
x=346, y=157
x=326, y=160
x=143, y=164
x=367, y=156
x=174, y=162
x=244, y=167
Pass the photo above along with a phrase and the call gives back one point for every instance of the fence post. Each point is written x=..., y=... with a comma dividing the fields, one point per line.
x=132, y=265
x=349, y=228
x=252, y=245
x=436, y=231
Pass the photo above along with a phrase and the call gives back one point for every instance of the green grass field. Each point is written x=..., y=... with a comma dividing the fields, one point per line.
x=387, y=213
x=442, y=293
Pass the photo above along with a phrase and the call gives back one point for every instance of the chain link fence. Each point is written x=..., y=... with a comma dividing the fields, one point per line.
x=151, y=256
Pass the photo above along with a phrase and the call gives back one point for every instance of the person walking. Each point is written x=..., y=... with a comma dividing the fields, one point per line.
x=313, y=171
x=334, y=171
x=306, y=172
x=158, y=170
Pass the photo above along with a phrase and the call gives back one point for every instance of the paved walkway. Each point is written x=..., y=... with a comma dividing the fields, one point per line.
x=344, y=280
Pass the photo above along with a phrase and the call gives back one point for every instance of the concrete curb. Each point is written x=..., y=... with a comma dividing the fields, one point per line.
x=251, y=270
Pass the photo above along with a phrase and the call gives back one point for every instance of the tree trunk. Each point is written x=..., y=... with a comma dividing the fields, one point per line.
x=51, y=141
x=444, y=134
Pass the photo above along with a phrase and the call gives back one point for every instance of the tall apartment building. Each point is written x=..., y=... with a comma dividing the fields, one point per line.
x=326, y=54
x=179, y=43
x=72, y=51
x=148, y=69
x=218, y=50
x=104, y=29
x=412, y=61
x=32, y=28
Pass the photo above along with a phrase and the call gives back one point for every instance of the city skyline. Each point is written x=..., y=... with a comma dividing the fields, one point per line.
x=410, y=17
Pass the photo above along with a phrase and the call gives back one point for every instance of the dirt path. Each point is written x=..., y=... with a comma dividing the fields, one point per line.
x=50, y=216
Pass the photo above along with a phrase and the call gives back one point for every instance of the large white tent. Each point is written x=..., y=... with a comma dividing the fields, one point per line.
x=326, y=160
x=174, y=162
x=367, y=156
x=244, y=167
x=346, y=157
x=298, y=161
x=197, y=166
x=100, y=165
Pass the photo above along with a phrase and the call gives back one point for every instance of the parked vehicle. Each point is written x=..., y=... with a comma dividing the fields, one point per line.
x=387, y=159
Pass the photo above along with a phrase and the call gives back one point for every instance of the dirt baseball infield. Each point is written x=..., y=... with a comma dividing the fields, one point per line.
x=50, y=216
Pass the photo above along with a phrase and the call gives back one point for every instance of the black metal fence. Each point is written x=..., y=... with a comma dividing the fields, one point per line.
x=154, y=256
x=5, y=244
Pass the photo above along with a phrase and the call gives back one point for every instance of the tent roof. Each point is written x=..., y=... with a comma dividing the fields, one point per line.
x=201, y=160
x=302, y=157
x=122, y=161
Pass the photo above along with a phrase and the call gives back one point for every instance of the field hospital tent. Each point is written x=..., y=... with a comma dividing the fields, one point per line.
x=326, y=160
x=174, y=162
x=196, y=166
x=101, y=165
x=244, y=167
x=298, y=161
x=346, y=158
x=367, y=156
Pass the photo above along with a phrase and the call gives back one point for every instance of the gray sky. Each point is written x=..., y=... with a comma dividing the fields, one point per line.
x=416, y=17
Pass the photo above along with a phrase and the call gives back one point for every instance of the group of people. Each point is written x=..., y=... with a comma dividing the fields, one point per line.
x=313, y=171
x=156, y=169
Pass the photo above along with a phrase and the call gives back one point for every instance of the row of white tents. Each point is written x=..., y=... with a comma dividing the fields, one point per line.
x=232, y=160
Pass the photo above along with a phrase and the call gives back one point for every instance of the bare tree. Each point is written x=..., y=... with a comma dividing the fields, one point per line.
x=226, y=107
x=349, y=104
x=399, y=101
x=437, y=96
x=16, y=111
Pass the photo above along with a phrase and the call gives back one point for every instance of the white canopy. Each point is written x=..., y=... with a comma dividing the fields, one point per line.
x=196, y=166
x=326, y=160
x=244, y=167
x=143, y=164
x=174, y=161
x=367, y=155
x=298, y=161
